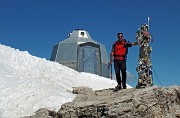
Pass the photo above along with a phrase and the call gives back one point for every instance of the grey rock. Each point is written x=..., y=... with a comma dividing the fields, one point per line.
x=44, y=113
x=151, y=102
x=82, y=90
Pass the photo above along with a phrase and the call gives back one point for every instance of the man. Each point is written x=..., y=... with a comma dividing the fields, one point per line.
x=118, y=55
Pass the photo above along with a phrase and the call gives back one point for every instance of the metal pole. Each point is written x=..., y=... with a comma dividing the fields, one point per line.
x=148, y=22
x=111, y=71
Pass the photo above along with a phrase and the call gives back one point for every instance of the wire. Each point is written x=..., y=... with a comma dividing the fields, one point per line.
x=157, y=76
x=153, y=68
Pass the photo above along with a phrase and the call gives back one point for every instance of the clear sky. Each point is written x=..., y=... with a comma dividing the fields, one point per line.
x=36, y=25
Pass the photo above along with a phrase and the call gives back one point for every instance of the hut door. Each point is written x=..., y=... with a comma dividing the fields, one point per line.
x=89, y=60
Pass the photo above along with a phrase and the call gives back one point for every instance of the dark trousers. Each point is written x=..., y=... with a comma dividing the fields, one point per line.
x=120, y=66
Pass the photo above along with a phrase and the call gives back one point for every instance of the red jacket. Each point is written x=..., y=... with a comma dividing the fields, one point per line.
x=120, y=49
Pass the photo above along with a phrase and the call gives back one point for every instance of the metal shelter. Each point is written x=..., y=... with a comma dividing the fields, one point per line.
x=80, y=52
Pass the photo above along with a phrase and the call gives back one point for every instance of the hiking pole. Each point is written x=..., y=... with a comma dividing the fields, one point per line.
x=110, y=68
x=111, y=71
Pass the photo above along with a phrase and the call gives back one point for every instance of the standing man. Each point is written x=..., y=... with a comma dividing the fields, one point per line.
x=118, y=55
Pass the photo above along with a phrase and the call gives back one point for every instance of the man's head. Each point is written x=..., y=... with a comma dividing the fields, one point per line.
x=120, y=35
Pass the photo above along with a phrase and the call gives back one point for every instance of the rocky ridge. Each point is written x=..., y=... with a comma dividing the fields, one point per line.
x=152, y=102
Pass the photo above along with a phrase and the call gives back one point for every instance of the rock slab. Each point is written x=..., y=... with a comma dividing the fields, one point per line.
x=152, y=102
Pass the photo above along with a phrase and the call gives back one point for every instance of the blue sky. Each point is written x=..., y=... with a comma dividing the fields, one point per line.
x=36, y=25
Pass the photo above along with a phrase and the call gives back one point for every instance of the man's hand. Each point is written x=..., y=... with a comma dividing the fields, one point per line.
x=111, y=61
x=134, y=43
x=111, y=56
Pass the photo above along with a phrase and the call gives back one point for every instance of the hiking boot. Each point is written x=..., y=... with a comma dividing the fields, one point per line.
x=124, y=87
x=117, y=88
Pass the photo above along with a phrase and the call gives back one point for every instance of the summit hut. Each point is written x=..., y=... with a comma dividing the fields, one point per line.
x=80, y=52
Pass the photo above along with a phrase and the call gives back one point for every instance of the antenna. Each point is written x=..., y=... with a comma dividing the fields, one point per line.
x=148, y=22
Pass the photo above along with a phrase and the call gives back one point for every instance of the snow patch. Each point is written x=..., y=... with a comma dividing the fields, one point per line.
x=28, y=83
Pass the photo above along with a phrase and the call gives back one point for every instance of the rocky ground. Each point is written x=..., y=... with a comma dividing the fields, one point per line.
x=152, y=102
